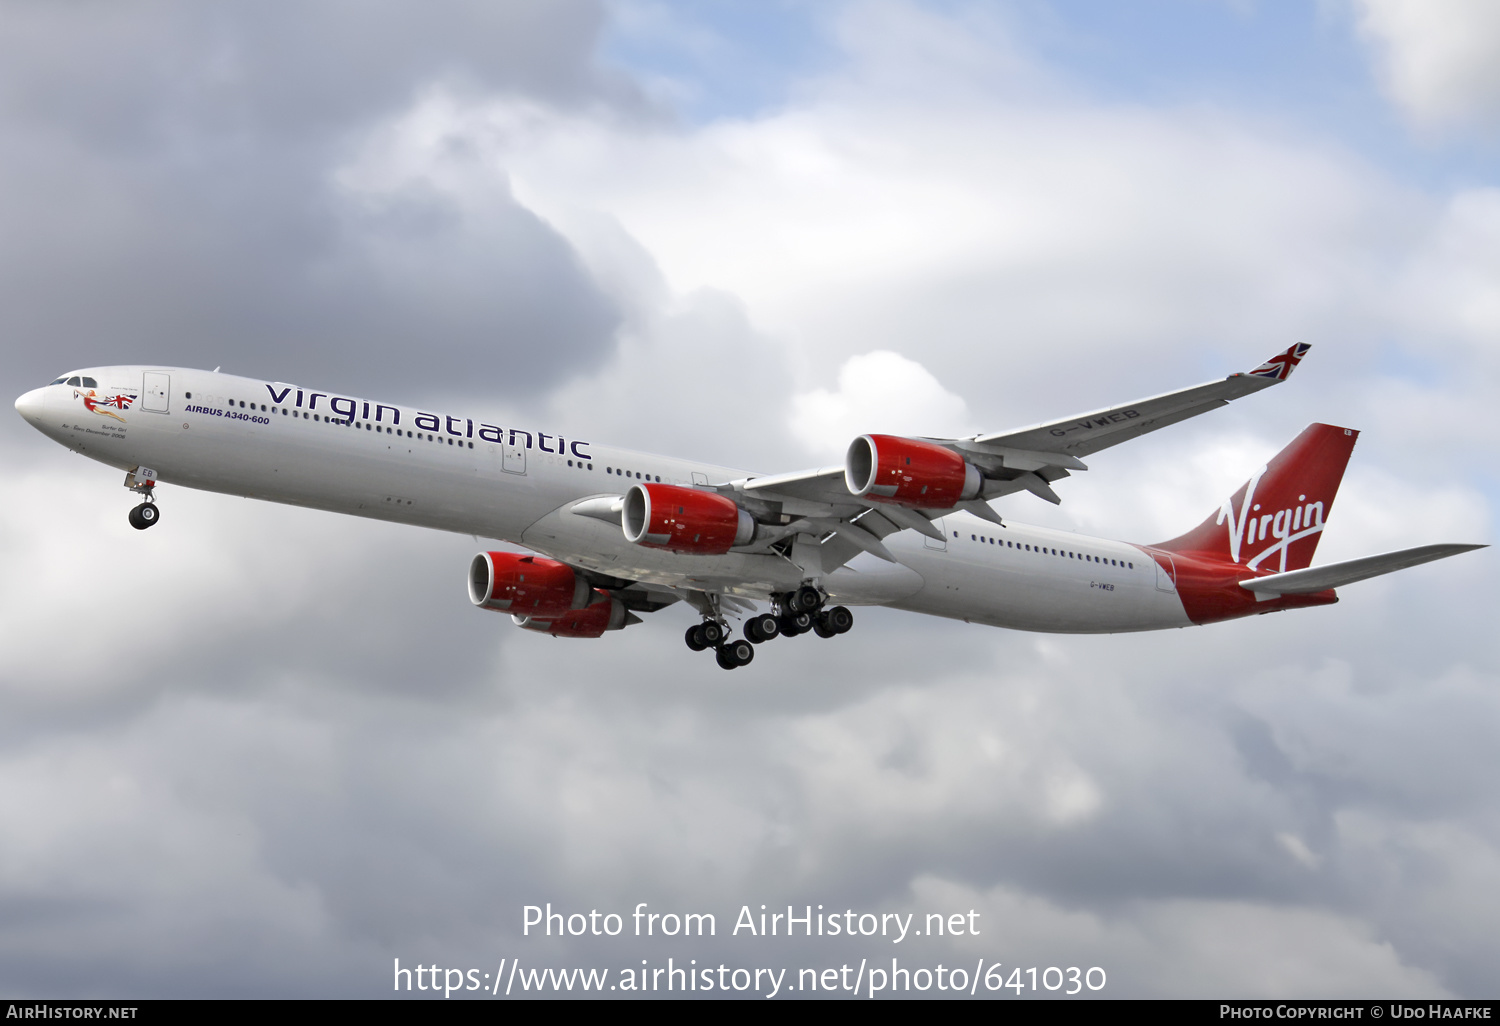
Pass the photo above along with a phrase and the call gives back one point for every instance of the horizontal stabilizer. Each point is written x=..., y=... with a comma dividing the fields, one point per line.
x=1335, y=575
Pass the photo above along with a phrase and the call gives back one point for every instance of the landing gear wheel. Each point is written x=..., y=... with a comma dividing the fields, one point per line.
x=694, y=642
x=711, y=633
x=761, y=629
x=839, y=619
x=821, y=628
x=144, y=516
x=805, y=599
x=794, y=624
x=735, y=653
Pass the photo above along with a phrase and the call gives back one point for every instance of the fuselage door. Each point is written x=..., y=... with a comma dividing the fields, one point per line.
x=156, y=392
x=513, y=459
x=1166, y=576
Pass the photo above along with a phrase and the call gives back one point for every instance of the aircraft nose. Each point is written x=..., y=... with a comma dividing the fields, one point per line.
x=32, y=404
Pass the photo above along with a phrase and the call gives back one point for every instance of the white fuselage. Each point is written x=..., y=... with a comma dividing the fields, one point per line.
x=282, y=443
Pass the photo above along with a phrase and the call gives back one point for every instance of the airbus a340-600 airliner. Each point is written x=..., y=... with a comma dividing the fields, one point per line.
x=905, y=522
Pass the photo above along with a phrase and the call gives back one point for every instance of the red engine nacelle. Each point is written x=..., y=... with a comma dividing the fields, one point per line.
x=526, y=585
x=885, y=468
x=684, y=520
x=602, y=614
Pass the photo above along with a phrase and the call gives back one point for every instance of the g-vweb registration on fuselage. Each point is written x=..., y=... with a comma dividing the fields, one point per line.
x=904, y=522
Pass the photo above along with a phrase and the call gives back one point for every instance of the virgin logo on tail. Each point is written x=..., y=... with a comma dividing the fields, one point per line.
x=1270, y=514
x=1284, y=526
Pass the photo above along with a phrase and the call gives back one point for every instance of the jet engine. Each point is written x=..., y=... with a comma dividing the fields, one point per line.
x=602, y=614
x=526, y=585
x=918, y=475
x=684, y=520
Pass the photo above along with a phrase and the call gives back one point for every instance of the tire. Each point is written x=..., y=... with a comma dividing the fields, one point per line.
x=143, y=516
x=712, y=633
x=694, y=642
x=761, y=629
x=840, y=619
x=742, y=652
x=795, y=624
x=821, y=628
x=806, y=599
x=724, y=659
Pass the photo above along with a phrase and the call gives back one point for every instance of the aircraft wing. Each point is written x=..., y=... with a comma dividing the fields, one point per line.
x=1336, y=575
x=1030, y=458
x=813, y=519
x=1087, y=433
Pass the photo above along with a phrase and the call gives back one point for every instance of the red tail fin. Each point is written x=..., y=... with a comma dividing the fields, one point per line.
x=1274, y=521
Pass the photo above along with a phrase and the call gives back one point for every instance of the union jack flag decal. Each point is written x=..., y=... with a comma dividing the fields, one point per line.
x=1282, y=364
x=119, y=402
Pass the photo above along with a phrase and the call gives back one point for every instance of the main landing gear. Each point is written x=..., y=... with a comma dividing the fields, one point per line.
x=729, y=653
x=802, y=611
x=143, y=483
x=793, y=613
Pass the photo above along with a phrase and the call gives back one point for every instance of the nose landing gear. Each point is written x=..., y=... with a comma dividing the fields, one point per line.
x=142, y=481
x=144, y=516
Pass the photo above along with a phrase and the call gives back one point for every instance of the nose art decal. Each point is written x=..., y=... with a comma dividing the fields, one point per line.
x=95, y=404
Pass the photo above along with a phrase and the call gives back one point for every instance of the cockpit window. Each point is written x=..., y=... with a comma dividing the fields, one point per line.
x=61, y=381
x=74, y=380
x=90, y=383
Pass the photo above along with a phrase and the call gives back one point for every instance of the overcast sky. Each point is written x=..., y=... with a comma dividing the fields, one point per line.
x=261, y=751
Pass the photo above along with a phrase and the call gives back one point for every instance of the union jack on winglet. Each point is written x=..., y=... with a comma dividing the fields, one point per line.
x=1280, y=366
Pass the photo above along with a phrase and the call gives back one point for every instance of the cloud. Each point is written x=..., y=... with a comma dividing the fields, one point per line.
x=1438, y=58
x=1294, y=951
x=980, y=223
x=178, y=169
x=882, y=392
